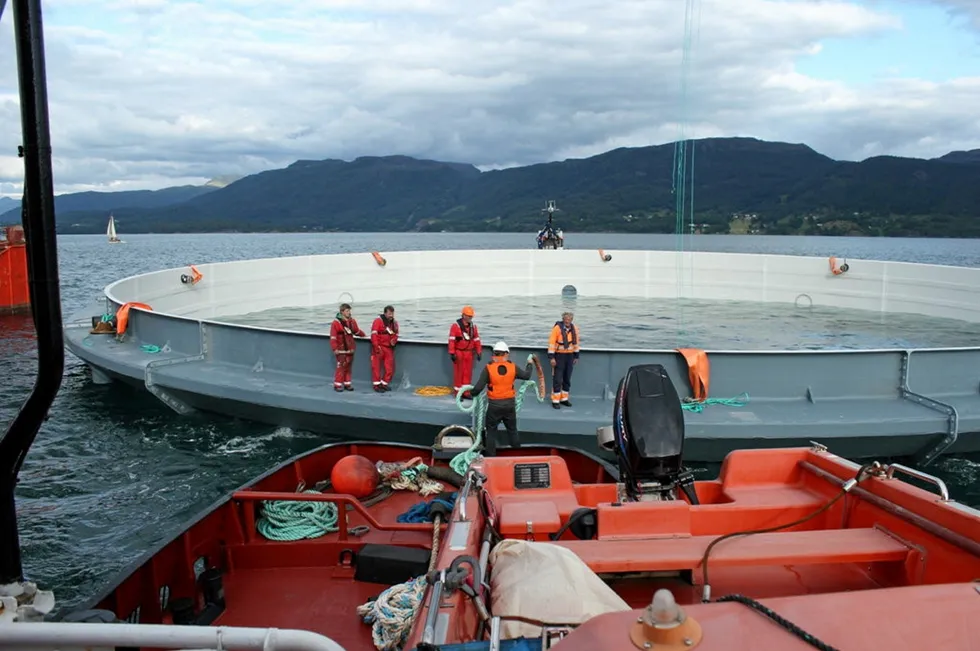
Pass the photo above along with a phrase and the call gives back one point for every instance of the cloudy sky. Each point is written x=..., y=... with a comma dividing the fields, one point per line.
x=152, y=93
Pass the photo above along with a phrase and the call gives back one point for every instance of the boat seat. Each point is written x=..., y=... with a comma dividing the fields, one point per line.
x=830, y=546
x=532, y=495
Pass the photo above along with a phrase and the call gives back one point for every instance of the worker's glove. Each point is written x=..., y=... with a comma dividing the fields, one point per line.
x=478, y=356
x=452, y=356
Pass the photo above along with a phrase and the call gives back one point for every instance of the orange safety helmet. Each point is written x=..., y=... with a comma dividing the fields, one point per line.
x=468, y=311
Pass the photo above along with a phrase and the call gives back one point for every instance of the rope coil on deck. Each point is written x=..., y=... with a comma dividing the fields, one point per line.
x=287, y=520
x=409, y=475
x=392, y=613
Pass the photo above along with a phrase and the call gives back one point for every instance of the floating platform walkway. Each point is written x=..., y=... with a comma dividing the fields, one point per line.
x=921, y=402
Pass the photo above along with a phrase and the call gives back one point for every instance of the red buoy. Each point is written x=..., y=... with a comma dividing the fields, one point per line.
x=355, y=475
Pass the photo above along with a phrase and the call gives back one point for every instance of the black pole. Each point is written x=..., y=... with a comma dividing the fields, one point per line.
x=42, y=270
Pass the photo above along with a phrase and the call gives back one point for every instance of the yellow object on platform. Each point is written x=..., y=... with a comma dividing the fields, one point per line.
x=433, y=391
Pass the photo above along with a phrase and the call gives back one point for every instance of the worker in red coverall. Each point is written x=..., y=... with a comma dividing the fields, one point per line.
x=384, y=336
x=464, y=344
x=342, y=332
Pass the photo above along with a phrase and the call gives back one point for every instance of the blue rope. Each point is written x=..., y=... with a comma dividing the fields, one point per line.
x=421, y=512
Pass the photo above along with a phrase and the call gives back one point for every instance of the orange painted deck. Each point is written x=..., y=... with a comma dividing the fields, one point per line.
x=859, y=570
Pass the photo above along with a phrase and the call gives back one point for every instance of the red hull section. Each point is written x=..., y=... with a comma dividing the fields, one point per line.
x=882, y=563
x=15, y=296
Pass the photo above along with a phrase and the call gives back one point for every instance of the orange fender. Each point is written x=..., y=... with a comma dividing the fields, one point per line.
x=379, y=258
x=122, y=315
x=194, y=278
x=698, y=370
x=837, y=270
x=605, y=257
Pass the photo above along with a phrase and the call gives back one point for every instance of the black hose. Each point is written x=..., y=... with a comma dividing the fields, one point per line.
x=446, y=474
x=42, y=273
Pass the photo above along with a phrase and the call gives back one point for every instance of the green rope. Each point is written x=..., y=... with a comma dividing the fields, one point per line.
x=106, y=318
x=412, y=474
x=289, y=520
x=461, y=462
x=150, y=348
x=697, y=407
x=683, y=166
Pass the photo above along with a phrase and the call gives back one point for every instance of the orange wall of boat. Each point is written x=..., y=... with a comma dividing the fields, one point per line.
x=14, y=295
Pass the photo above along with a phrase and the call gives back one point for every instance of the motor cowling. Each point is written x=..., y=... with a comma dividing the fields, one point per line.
x=648, y=436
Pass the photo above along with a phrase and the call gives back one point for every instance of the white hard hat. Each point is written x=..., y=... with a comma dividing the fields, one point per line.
x=501, y=347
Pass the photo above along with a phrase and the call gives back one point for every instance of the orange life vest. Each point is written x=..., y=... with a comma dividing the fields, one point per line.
x=502, y=375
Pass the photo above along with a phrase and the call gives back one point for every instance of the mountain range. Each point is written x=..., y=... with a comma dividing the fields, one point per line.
x=740, y=185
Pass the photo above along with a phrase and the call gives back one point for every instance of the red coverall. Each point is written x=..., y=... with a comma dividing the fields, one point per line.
x=464, y=342
x=342, y=342
x=384, y=336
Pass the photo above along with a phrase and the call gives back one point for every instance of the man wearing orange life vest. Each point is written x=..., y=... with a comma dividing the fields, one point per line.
x=464, y=344
x=342, y=332
x=563, y=347
x=498, y=378
x=384, y=336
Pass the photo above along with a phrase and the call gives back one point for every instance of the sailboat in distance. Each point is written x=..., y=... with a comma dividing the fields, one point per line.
x=111, y=231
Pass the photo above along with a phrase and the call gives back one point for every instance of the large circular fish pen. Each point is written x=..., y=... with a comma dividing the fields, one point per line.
x=250, y=338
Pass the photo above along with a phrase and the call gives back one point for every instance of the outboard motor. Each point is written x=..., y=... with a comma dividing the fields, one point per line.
x=648, y=437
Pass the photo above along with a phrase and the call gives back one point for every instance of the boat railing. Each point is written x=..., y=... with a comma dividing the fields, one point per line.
x=918, y=474
x=336, y=498
x=57, y=635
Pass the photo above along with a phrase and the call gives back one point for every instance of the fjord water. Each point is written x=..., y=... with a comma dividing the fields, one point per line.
x=114, y=472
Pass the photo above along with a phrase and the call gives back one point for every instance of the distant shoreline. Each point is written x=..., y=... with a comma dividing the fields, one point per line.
x=531, y=234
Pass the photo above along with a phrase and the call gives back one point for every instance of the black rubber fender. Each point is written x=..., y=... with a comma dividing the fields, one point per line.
x=447, y=475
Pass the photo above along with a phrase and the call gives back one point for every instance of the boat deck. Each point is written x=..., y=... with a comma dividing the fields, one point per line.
x=311, y=590
x=319, y=599
x=827, y=544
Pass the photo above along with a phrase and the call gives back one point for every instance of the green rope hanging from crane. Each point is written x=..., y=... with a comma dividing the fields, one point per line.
x=683, y=167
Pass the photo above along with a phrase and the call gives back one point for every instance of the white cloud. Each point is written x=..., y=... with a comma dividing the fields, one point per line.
x=150, y=93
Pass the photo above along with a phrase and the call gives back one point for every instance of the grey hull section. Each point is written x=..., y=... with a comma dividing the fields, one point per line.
x=859, y=403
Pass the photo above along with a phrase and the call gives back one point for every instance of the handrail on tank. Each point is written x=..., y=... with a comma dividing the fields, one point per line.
x=39, y=635
x=42, y=273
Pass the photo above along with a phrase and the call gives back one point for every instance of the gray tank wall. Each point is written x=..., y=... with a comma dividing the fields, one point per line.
x=765, y=376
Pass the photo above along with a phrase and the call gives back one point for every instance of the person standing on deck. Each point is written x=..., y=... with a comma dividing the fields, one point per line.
x=563, y=347
x=384, y=336
x=498, y=378
x=342, y=332
x=464, y=344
